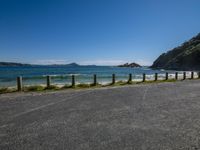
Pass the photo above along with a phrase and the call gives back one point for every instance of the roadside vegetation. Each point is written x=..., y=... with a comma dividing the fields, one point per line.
x=7, y=90
x=39, y=88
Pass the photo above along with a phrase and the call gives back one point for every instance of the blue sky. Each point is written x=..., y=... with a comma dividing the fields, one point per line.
x=102, y=32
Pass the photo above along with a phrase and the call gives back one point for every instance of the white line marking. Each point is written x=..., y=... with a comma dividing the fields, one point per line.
x=145, y=93
x=50, y=104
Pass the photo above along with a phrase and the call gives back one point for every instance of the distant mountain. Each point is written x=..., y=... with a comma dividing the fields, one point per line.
x=132, y=65
x=13, y=64
x=184, y=57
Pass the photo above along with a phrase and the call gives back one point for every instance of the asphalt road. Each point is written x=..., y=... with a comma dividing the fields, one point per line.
x=163, y=116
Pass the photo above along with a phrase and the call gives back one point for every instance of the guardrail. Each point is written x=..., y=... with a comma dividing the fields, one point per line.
x=95, y=82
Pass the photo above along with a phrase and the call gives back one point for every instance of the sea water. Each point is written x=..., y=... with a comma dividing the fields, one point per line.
x=61, y=75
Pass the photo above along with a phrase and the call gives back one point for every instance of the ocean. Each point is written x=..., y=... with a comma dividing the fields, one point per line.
x=61, y=75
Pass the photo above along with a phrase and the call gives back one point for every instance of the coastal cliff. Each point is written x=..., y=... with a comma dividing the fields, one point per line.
x=184, y=57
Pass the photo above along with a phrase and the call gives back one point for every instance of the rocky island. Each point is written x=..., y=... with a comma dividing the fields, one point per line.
x=184, y=57
x=132, y=65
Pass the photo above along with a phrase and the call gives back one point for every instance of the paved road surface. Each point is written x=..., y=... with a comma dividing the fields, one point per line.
x=154, y=117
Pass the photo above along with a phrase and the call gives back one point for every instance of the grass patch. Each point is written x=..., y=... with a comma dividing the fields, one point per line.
x=34, y=88
x=130, y=82
x=92, y=85
x=67, y=86
x=108, y=84
x=83, y=85
x=121, y=83
x=7, y=90
x=118, y=83
x=158, y=81
x=97, y=85
x=52, y=87
x=3, y=90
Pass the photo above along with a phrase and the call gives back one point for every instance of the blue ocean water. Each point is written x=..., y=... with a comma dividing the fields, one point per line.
x=33, y=75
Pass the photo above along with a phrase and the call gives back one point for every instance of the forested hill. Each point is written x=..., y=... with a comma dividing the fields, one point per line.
x=184, y=57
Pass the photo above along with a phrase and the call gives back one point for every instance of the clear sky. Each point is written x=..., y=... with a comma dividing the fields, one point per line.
x=102, y=32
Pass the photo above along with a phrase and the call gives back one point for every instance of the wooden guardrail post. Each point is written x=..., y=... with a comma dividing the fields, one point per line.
x=176, y=75
x=73, y=81
x=19, y=83
x=144, y=77
x=48, y=81
x=192, y=75
x=184, y=75
x=156, y=76
x=130, y=78
x=166, y=76
x=113, y=78
x=95, y=80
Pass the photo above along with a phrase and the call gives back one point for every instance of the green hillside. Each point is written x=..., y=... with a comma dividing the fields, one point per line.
x=184, y=57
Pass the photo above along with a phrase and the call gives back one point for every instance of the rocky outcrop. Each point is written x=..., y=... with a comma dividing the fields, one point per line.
x=132, y=65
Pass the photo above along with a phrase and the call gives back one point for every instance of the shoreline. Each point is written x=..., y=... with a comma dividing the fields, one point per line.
x=101, y=80
x=118, y=83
